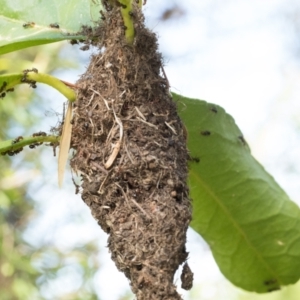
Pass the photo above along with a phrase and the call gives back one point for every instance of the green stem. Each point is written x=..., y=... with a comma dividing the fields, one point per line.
x=8, y=81
x=10, y=145
x=126, y=11
x=54, y=82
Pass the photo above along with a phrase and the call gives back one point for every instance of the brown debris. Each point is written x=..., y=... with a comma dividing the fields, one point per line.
x=187, y=277
x=133, y=177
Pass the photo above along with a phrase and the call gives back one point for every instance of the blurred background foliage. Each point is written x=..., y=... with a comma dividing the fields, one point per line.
x=50, y=247
x=26, y=268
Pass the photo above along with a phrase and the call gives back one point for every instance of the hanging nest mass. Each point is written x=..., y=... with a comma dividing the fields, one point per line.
x=130, y=151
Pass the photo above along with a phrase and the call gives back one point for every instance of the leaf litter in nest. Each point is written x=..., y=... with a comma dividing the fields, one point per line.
x=131, y=154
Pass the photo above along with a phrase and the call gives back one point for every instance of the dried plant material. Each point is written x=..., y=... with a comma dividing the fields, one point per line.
x=64, y=146
x=187, y=277
x=130, y=150
x=117, y=147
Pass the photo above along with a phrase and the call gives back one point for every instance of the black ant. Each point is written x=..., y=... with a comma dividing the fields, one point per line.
x=242, y=139
x=41, y=133
x=3, y=86
x=31, y=83
x=73, y=42
x=2, y=95
x=121, y=4
x=85, y=48
x=273, y=289
x=54, y=25
x=107, y=5
x=29, y=25
x=195, y=159
x=271, y=281
x=54, y=145
x=214, y=109
x=205, y=132
x=18, y=139
x=12, y=153
x=102, y=15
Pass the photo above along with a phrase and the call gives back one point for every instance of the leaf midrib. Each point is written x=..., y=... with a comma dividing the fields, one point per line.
x=235, y=224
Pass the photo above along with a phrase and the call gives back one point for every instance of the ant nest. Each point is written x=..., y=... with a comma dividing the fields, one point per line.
x=130, y=151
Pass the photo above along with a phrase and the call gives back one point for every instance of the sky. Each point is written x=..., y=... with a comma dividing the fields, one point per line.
x=239, y=54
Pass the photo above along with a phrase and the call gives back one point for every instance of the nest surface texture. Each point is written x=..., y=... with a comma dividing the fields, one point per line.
x=130, y=151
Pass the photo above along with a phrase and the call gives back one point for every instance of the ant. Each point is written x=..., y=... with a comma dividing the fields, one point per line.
x=273, y=289
x=31, y=83
x=54, y=25
x=195, y=159
x=205, y=133
x=18, y=139
x=29, y=25
x=12, y=153
x=242, y=139
x=121, y=4
x=271, y=281
x=214, y=109
x=85, y=48
x=73, y=42
x=102, y=15
x=41, y=133
x=107, y=5
x=3, y=86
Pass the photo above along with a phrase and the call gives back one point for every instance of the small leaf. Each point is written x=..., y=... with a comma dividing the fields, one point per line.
x=27, y=23
x=249, y=222
x=64, y=144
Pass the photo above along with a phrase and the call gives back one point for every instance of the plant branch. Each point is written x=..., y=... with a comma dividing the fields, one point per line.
x=126, y=11
x=54, y=82
x=13, y=146
x=9, y=81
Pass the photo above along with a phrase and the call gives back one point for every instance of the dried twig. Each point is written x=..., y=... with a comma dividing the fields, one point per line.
x=117, y=147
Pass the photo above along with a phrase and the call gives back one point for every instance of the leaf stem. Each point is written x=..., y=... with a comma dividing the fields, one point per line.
x=126, y=11
x=8, y=81
x=54, y=82
x=11, y=145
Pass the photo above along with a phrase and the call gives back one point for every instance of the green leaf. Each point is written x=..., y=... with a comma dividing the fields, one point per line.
x=70, y=15
x=249, y=222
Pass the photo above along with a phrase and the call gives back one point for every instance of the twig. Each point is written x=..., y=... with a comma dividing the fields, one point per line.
x=166, y=78
x=91, y=99
x=139, y=112
x=171, y=127
x=100, y=188
x=105, y=101
x=149, y=124
x=117, y=147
